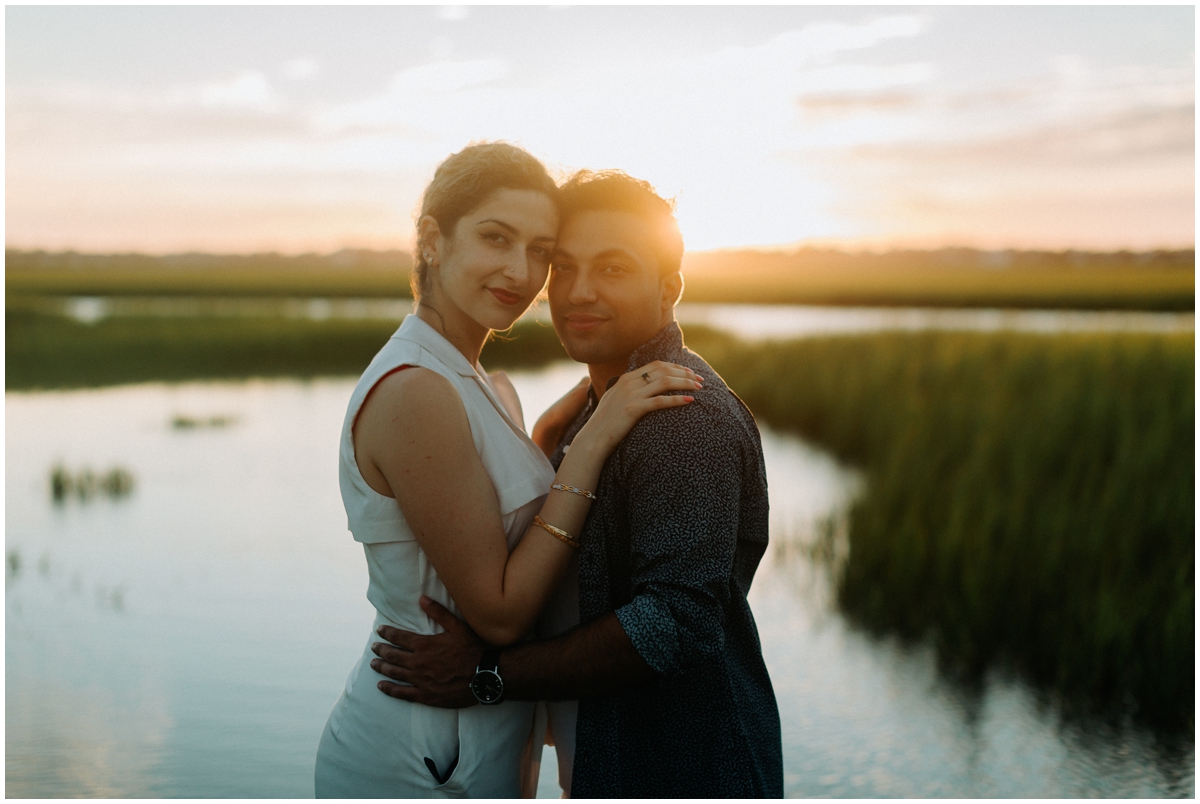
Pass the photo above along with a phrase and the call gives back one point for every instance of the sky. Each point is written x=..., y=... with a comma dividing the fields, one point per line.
x=314, y=128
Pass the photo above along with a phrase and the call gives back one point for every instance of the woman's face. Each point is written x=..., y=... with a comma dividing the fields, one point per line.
x=494, y=263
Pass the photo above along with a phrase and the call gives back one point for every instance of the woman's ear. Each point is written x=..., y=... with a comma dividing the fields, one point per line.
x=428, y=235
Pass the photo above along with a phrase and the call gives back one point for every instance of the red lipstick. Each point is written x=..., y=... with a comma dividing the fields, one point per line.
x=505, y=296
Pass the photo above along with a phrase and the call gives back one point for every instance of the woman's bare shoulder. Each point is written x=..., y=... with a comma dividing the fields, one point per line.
x=411, y=396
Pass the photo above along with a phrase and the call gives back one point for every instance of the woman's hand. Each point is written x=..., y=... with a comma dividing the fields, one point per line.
x=551, y=425
x=635, y=394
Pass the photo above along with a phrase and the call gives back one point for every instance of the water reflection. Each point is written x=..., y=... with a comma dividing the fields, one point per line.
x=190, y=639
x=752, y=321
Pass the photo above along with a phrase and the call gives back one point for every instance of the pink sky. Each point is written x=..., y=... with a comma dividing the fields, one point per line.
x=295, y=129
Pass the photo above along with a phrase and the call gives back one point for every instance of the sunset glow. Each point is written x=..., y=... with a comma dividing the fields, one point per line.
x=295, y=129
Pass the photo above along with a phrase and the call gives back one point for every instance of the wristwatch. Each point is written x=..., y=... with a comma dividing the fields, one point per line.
x=487, y=686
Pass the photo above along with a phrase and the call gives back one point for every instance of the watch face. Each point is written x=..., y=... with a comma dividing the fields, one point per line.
x=487, y=686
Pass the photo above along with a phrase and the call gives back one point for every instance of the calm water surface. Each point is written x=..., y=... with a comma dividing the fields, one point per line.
x=753, y=321
x=190, y=639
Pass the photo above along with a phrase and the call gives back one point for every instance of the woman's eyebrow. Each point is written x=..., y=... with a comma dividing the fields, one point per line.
x=498, y=223
x=513, y=229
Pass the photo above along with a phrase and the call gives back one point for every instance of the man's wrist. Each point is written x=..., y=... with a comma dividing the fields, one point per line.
x=487, y=685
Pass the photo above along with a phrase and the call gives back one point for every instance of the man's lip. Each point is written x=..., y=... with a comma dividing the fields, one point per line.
x=583, y=322
x=505, y=296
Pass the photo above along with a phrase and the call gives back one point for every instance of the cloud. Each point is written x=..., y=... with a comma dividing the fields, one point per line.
x=1089, y=141
x=247, y=89
x=852, y=103
x=300, y=69
x=415, y=97
x=453, y=13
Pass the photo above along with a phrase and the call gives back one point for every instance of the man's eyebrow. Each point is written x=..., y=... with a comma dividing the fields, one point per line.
x=615, y=252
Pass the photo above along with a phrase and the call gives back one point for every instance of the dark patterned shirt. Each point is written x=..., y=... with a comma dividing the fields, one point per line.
x=671, y=546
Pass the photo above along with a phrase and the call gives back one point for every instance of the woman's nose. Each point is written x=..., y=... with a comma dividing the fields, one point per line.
x=516, y=268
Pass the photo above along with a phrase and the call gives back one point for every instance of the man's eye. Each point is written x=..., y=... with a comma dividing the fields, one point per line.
x=613, y=268
x=560, y=267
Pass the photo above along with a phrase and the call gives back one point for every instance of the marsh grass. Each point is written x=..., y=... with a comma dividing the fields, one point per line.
x=50, y=351
x=952, y=277
x=1029, y=499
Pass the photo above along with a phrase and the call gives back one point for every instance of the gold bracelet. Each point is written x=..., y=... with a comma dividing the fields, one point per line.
x=557, y=533
x=574, y=490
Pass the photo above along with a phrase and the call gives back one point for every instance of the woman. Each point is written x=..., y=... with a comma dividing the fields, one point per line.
x=449, y=496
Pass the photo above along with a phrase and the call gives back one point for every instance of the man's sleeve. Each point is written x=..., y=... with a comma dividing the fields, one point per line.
x=684, y=490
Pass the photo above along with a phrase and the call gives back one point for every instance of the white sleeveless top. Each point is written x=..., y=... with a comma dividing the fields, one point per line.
x=374, y=745
x=521, y=474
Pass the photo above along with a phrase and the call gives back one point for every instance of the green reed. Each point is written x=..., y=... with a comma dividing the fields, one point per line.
x=50, y=351
x=1029, y=503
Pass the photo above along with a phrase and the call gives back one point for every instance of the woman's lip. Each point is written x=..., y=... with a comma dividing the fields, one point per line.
x=505, y=296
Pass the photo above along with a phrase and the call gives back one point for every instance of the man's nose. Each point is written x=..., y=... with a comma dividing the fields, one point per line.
x=582, y=288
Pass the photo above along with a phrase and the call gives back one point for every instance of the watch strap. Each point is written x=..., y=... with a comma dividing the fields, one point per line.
x=490, y=661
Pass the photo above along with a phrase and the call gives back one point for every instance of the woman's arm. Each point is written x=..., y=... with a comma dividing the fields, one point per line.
x=413, y=432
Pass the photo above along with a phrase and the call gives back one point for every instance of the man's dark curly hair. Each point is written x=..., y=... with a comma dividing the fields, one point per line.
x=616, y=191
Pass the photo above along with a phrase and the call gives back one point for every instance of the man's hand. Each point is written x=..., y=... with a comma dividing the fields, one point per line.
x=550, y=426
x=439, y=667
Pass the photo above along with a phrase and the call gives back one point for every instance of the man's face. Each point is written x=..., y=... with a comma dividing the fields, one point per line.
x=607, y=294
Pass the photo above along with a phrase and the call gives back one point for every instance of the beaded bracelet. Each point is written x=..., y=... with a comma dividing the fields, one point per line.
x=574, y=490
x=557, y=533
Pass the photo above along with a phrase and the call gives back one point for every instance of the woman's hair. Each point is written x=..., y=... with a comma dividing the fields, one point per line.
x=465, y=180
x=617, y=191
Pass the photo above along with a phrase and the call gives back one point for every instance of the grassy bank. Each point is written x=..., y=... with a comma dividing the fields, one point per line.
x=944, y=278
x=44, y=351
x=1030, y=499
x=361, y=274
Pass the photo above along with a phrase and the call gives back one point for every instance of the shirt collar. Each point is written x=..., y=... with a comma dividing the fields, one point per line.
x=667, y=345
x=418, y=331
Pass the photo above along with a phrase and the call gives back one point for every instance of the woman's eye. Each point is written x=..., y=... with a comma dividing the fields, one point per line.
x=495, y=237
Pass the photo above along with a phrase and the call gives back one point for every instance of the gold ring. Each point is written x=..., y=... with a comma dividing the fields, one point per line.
x=646, y=376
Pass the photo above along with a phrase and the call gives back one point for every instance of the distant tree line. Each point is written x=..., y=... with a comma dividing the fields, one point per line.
x=357, y=259
x=699, y=262
x=820, y=259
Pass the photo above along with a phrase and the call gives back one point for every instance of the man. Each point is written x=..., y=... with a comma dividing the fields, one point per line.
x=674, y=697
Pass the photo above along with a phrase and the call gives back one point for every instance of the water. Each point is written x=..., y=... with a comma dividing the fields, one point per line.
x=189, y=640
x=752, y=321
